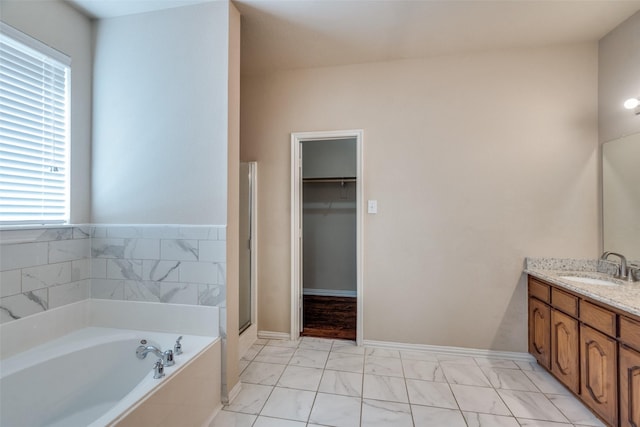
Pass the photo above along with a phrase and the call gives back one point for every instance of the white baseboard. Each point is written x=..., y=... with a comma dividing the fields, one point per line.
x=454, y=351
x=269, y=335
x=329, y=292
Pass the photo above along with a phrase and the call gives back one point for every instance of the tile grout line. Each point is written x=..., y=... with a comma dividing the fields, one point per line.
x=444, y=374
x=406, y=388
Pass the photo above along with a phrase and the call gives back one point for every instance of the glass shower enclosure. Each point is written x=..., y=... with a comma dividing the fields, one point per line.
x=247, y=212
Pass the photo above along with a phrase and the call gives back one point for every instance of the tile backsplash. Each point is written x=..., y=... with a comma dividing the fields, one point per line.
x=50, y=267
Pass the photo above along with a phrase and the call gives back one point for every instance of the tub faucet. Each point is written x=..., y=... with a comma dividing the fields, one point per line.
x=623, y=272
x=166, y=357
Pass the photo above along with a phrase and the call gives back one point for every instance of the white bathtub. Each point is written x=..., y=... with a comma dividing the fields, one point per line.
x=92, y=377
x=86, y=378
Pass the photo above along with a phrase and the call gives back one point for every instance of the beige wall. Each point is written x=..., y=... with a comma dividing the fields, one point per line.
x=476, y=162
x=619, y=79
x=58, y=25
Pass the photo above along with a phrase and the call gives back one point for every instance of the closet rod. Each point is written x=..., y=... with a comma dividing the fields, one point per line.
x=350, y=179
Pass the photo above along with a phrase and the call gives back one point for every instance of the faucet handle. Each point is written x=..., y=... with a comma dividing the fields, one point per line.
x=158, y=369
x=634, y=272
x=177, y=349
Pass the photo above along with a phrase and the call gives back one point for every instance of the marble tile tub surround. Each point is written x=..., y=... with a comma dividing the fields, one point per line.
x=43, y=268
x=318, y=382
x=624, y=296
x=177, y=264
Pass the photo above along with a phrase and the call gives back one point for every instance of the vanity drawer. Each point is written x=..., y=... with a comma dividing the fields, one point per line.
x=539, y=290
x=564, y=302
x=598, y=317
x=630, y=332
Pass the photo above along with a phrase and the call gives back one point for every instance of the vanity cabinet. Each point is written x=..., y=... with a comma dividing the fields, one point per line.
x=629, y=387
x=590, y=347
x=553, y=335
x=629, y=368
x=599, y=369
x=565, y=363
x=539, y=336
x=599, y=360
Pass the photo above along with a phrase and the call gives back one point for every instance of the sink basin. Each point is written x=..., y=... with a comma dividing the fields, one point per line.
x=590, y=281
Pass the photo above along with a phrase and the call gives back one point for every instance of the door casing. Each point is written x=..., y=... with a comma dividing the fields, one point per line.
x=297, y=138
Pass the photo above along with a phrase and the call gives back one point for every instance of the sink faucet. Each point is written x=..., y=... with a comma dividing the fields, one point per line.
x=167, y=356
x=623, y=272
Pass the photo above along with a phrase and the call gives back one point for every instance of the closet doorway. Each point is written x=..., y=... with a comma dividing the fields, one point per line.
x=326, y=234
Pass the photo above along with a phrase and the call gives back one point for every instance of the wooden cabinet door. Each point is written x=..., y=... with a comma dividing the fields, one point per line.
x=539, y=332
x=565, y=343
x=599, y=374
x=629, y=387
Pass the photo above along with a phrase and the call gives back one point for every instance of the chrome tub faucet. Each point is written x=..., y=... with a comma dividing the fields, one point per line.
x=166, y=357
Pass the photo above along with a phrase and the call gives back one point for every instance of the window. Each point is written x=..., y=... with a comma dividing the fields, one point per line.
x=34, y=130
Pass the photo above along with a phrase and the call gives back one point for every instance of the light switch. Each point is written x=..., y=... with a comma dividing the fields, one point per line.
x=372, y=206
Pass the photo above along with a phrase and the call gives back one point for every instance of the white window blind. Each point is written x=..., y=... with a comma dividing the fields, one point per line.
x=34, y=130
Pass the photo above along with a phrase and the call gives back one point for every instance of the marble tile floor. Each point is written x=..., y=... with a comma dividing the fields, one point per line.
x=320, y=382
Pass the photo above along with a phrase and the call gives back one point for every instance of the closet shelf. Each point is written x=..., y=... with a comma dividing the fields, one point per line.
x=338, y=179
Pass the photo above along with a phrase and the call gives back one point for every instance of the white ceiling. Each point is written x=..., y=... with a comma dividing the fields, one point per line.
x=283, y=34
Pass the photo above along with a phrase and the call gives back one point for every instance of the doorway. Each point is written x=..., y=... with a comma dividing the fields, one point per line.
x=326, y=235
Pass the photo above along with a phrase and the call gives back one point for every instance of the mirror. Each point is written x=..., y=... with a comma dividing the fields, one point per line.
x=621, y=196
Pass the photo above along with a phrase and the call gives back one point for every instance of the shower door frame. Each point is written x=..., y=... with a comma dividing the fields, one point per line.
x=297, y=138
x=250, y=334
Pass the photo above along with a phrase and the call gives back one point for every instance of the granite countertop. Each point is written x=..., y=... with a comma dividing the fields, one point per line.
x=624, y=296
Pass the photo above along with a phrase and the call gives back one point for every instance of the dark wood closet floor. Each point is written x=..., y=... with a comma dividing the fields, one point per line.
x=329, y=317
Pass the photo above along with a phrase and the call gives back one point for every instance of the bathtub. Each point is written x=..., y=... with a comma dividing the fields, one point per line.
x=92, y=377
